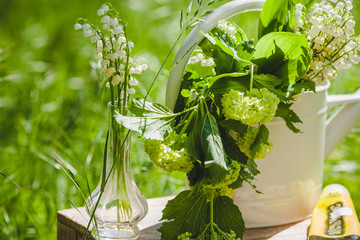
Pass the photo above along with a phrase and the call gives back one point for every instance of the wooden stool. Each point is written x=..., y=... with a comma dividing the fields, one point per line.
x=72, y=225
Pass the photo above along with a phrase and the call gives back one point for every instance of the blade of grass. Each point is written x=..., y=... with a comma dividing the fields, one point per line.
x=7, y=177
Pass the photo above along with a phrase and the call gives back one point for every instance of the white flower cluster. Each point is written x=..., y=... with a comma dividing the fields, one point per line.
x=113, y=49
x=330, y=32
x=205, y=62
x=224, y=25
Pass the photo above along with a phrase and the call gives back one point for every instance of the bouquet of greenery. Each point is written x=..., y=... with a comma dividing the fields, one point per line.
x=231, y=89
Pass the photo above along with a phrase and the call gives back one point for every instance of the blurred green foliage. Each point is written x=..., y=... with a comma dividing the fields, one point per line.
x=52, y=102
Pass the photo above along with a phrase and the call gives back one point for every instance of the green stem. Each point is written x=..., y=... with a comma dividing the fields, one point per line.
x=126, y=75
x=212, y=213
x=187, y=123
x=251, y=77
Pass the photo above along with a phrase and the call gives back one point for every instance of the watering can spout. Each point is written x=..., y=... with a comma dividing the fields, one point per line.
x=340, y=123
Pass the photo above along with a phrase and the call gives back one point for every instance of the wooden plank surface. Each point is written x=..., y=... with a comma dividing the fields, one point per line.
x=72, y=224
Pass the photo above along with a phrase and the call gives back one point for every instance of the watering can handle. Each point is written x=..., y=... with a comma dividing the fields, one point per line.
x=194, y=38
x=340, y=123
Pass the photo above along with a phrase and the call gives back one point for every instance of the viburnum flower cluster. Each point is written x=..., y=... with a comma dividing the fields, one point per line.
x=169, y=154
x=250, y=108
x=222, y=188
x=112, y=49
x=329, y=28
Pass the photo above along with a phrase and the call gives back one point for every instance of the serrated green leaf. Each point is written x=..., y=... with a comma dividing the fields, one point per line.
x=245, y=51
x=251, y=165
x=187, y=212
x=247, y=177
x=289, y=116
x=228, y=216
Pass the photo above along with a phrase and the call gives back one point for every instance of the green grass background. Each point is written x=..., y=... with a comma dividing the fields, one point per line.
x=53, y=103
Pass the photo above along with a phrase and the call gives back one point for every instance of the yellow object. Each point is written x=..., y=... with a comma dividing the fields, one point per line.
x=334, y=216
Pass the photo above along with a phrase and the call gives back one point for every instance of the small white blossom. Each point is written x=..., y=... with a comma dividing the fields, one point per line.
x=207, y=62
x=121, y=54
x=117, y=79
x=118, y=30
x=299, y=7
x=86, y=26
x=230, y=30
x=97, y=54
x=196, y=58
x=114, y=22
x=88, y=33
x=108, y=46
x=105, y=19
x=95, y=38
x=105, y=63
x=77, y=26
x=109, y=72
x=130, y=91
x=122, y=40
x=106, y=26
x=105, y=8
x=99, y=44
x=133, y=82
x=130, y=44
x=100, y=12
x=107, y=84
x=144, y=67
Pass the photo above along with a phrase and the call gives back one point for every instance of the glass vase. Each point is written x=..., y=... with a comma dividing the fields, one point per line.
x=116, y=204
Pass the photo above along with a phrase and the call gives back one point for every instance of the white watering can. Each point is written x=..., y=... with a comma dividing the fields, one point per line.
x=291, y=174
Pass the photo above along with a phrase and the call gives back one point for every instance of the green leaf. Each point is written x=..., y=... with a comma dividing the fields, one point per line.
x=234, y=125
x=228, y=216
x=224, y=85
x=262, y=137
x=276, y=16
x=251, y=165
x=307, y=3
x=245, y=51
x=187, y=212
x=212, y=149
x=288, y=115
x=247, y=177
x=185, y=93
x=153, y=120
x=231, y=148
x=270, y=82
x=303, y=86
x=143, y=108
x=285, y=55
x=212, y=80
x=222, y=48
